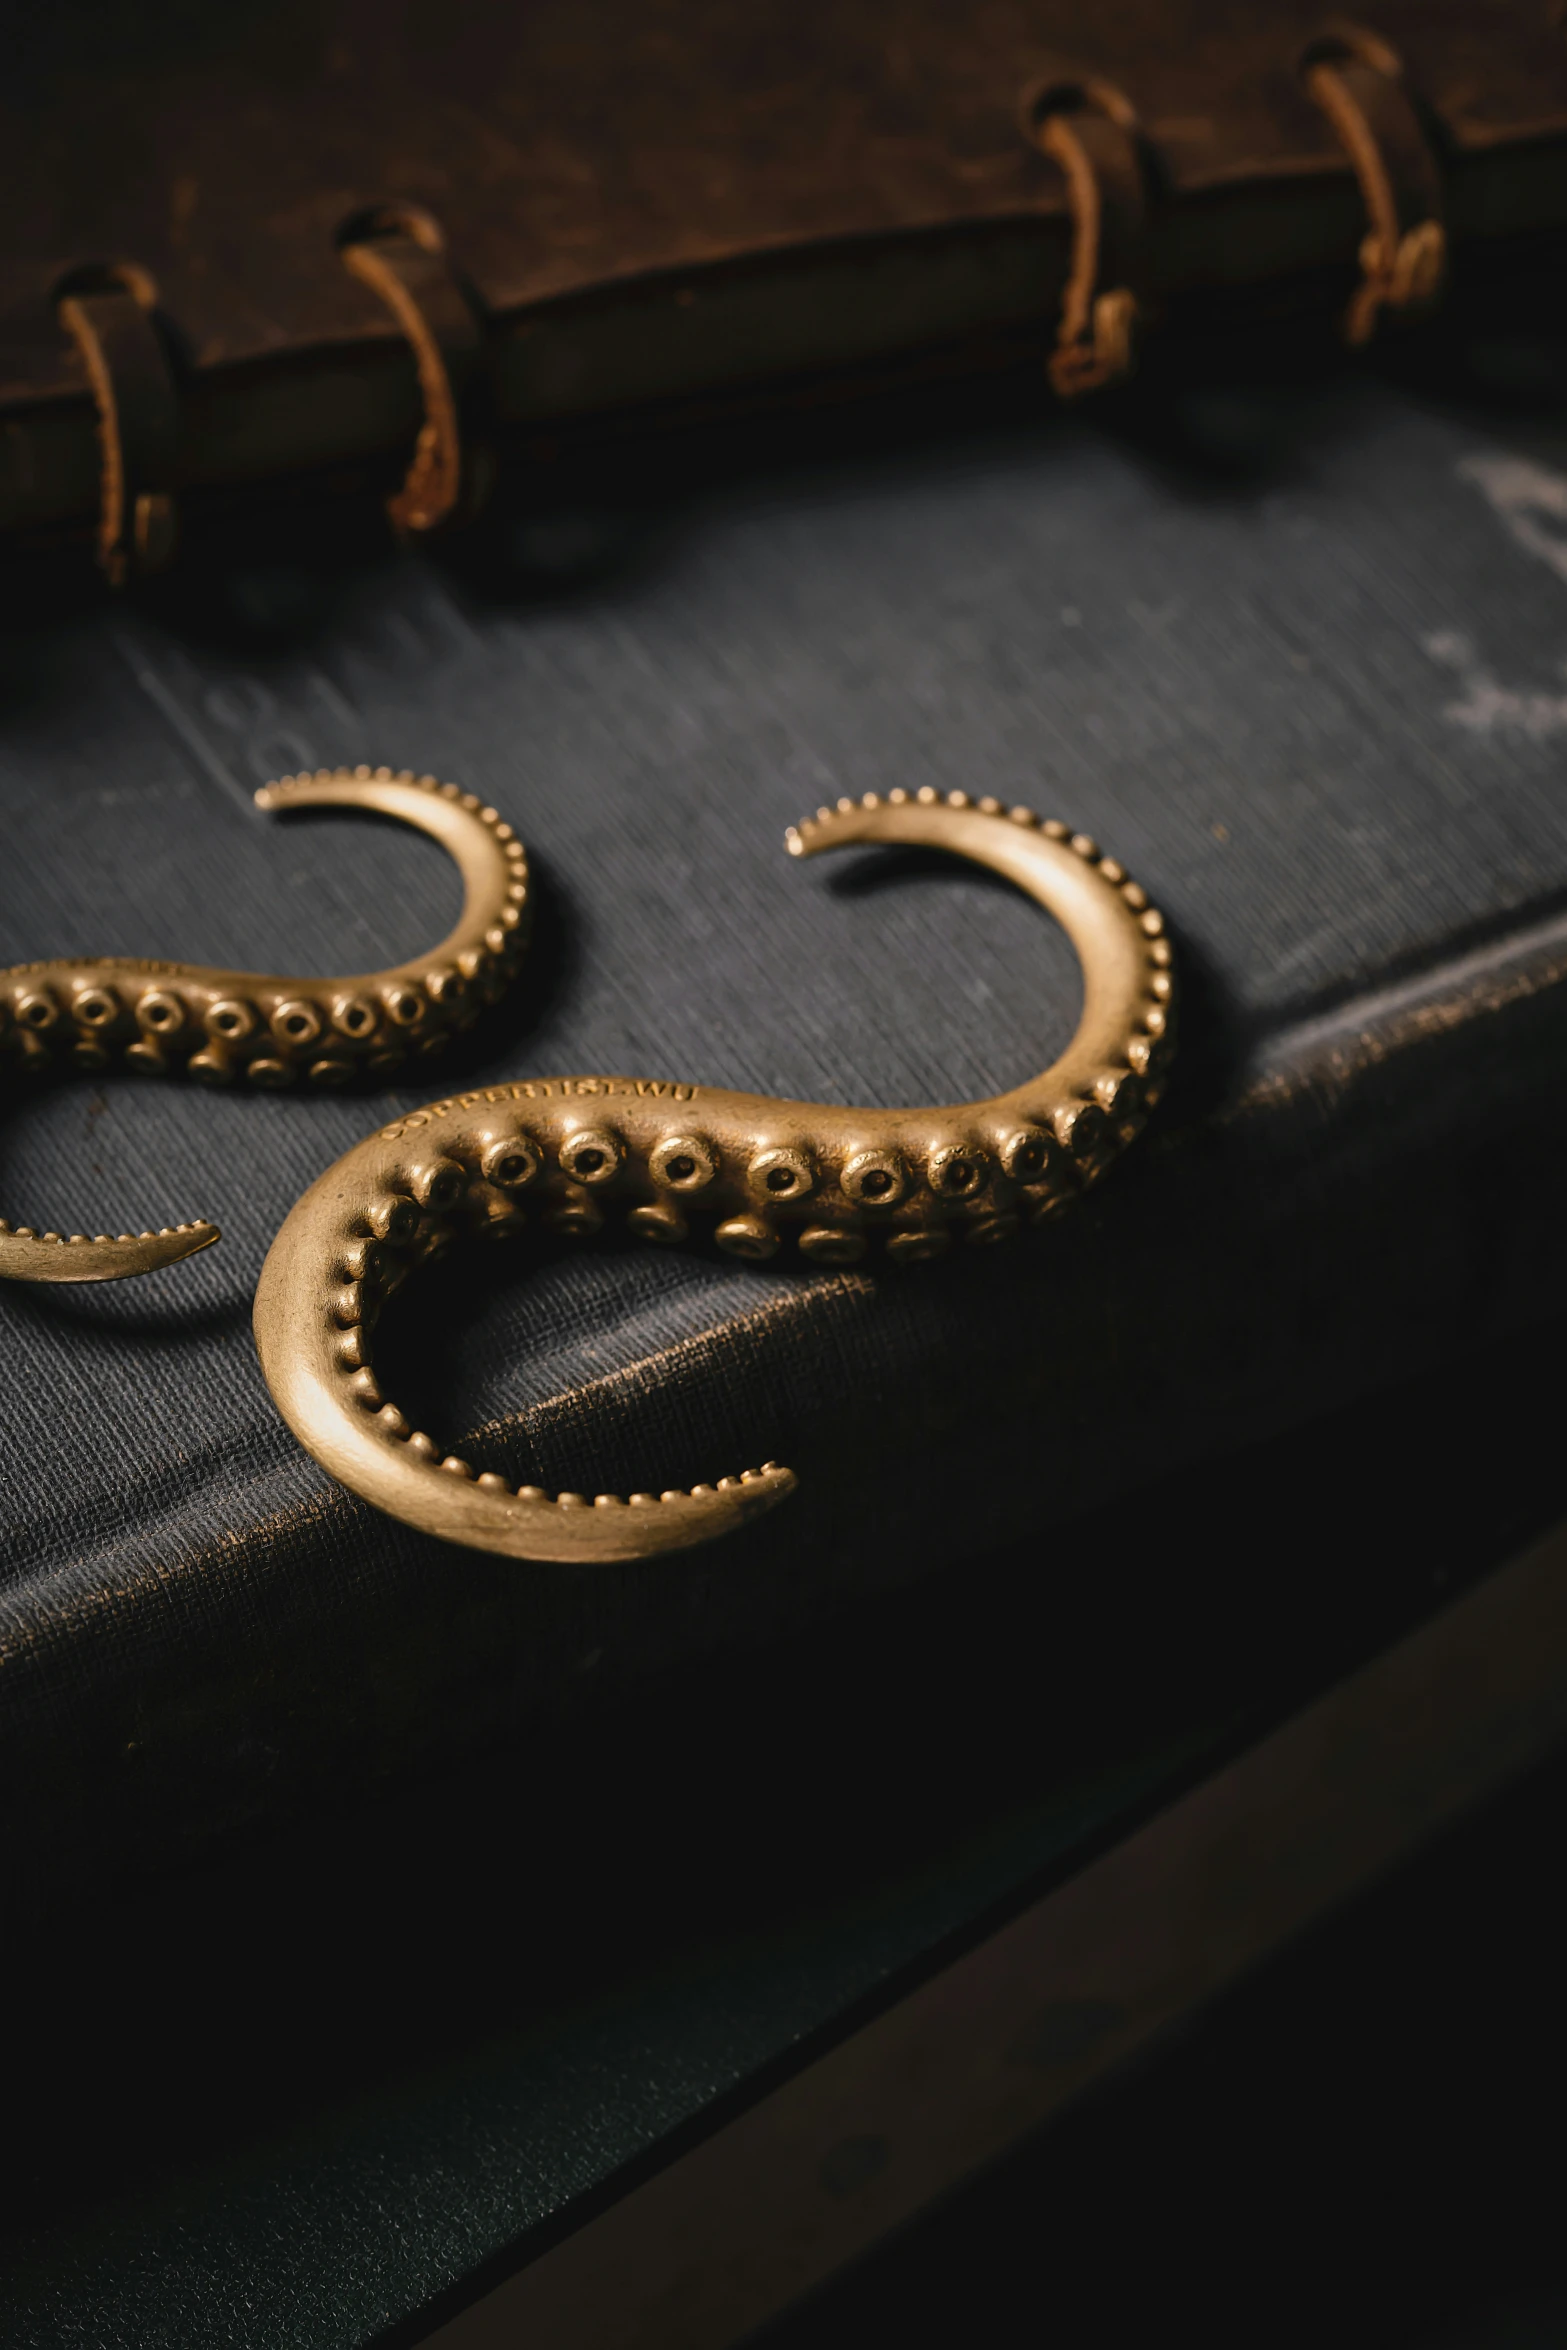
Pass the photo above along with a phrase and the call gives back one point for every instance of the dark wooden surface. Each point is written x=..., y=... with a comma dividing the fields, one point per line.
x=1359, y=2146
x=335, y=2090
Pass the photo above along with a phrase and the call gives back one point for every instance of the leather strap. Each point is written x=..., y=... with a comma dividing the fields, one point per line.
x=1403, y=256
x=133, y=389
x=407, y=266
x=1090, y=132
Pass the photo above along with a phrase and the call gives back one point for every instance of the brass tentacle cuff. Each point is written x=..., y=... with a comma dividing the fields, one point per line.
x=400, y=254
x=1090, y=131
x=1359, y=84
x=123, y=352
x=569, y=1155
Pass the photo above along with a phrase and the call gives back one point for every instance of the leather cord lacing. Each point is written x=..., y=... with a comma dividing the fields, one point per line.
x=1087, y=128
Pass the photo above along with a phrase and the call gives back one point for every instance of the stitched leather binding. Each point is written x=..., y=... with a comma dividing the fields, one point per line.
x=655, y=207
x=1090, y=130
x=1359, y=84
x=138, y=421
x=401, y=256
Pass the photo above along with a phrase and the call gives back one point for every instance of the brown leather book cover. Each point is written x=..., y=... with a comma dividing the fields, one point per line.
x=248, y=243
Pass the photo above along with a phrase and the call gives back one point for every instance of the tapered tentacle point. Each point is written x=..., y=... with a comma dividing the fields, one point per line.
x=97, y=1014
x=26, y=1255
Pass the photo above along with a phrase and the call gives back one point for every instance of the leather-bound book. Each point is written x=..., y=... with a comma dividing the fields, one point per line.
x=358, y=244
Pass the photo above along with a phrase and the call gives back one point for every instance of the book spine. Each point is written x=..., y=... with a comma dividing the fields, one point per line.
x=1114, y=230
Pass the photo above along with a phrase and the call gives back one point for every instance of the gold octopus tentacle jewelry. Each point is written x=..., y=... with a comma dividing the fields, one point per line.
x=87, y=1012
x=837, y=1181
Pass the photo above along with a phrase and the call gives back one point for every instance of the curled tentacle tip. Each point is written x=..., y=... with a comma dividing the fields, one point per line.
x=834, y=823
x=646, y=1523
x=29, y=1255
x=284, y=788
x=811, y=833
x=527, y=1521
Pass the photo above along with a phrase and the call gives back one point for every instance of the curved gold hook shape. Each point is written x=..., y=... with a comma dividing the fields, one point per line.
x=90, y=1012
x=838, y=1182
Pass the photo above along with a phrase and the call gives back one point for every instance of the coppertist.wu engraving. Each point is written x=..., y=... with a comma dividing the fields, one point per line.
x=757, y=1173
